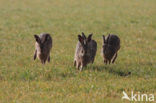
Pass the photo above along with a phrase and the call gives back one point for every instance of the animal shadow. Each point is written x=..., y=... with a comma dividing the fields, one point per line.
x=112, y=70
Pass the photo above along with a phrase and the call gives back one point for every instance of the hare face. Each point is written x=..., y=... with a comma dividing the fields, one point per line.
x=84, y=45
x=39, y=44
x=84, y=49
x=104, y=47
x=40, y=47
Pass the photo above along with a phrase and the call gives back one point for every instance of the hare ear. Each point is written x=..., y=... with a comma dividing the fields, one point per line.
x=108, y=38
x=47, y=37
x=80, y=38
x=89, y=37
x=83, y=35
x=37, y=38
x=104, y=39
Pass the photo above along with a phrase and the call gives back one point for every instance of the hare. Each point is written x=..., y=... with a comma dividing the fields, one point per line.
x=43, y=46
x=111, y=45
x=85, y=51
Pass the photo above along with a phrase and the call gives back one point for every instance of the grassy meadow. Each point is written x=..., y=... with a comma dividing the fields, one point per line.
x=23, y=80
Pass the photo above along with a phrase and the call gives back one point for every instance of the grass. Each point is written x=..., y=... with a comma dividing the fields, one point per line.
x=23, y=80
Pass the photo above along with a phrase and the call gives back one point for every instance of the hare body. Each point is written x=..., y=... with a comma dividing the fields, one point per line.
x=85, y=51
x=111, y=45
x=92, y=48
x=43, y=46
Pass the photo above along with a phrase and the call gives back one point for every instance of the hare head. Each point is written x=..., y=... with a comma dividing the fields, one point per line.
x=105, y=43
x=84, y=42
x=42, y=41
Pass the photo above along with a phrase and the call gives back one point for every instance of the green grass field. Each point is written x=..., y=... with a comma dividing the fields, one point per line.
x=23, y=80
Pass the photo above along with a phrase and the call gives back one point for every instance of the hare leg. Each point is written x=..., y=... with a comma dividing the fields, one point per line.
x=43, y=61
x=49, y=58
x=82, y=65
x=109, y=61
x=78, y=65
x=74, y=63
x=81, y=68
x=106, y=62
x=93, y=61
x=114, y=58
x=35, y=54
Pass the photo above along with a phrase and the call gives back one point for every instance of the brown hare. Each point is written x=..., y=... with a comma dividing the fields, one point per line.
x=43, y=46
x=111, y=45
x=85, y=51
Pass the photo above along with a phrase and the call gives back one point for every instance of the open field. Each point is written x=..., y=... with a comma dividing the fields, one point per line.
x=23, y=80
